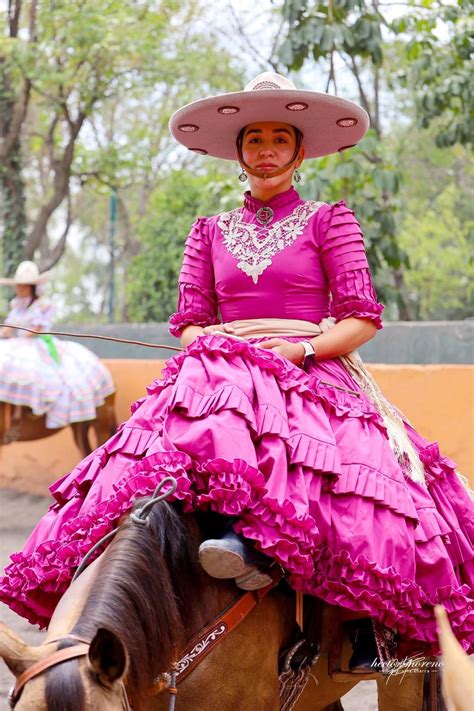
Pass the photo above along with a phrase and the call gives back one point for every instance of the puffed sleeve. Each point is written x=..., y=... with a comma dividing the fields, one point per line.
x=345, y=264
x=11, y=318
x=41, y=313
x=197, y=302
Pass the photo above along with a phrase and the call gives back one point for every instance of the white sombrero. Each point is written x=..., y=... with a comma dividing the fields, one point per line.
x=26, y=273
x=211, y=126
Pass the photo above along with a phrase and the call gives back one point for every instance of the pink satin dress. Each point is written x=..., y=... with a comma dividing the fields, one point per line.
x=300, y=457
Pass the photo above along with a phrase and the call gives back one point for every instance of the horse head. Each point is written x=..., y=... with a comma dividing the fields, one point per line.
x=126, y=614
x=50, y=678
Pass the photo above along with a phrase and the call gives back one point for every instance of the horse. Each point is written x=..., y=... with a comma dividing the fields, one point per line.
x=139, y=603
x=20, y=424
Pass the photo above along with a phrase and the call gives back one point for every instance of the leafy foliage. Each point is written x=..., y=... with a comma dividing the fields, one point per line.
x=152, y=289
x=93, y=83
x=436, y=226
x=317, y=27
x=440, y=71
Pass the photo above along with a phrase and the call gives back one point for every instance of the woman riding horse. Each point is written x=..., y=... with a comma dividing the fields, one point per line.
x=269, y=417
x=59, y=379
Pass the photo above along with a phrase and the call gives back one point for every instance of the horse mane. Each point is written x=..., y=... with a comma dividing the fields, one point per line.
x=142, y=595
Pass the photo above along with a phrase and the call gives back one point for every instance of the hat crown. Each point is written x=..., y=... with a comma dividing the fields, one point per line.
x=26, y=271
x=269, y=80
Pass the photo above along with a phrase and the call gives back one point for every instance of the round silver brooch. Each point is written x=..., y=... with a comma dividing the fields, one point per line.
x=264, y=215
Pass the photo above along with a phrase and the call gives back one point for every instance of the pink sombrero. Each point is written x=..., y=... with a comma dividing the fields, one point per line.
x=211, y=126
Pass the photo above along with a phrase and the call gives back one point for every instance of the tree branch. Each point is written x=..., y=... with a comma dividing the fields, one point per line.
x=355, y=71
x=55, y=255
x=62, y=170
x=20, y=109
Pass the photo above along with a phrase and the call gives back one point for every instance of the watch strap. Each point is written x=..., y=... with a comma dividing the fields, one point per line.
x=308, y=349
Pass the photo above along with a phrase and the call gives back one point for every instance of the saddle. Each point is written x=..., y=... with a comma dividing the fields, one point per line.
x=326, y=630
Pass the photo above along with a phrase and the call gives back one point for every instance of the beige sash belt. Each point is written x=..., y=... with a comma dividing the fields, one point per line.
x=400, y=443
x=274, y=327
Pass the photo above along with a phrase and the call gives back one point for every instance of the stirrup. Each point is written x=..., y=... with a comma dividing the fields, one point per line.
x=365, y=654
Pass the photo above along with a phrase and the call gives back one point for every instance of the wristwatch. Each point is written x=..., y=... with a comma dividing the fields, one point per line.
x=308, y=349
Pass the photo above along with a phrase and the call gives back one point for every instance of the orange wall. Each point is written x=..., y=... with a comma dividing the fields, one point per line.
x=437, y=399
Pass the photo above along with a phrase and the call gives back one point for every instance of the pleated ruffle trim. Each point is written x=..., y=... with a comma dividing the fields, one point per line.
x=290, y=377
x=236, y=489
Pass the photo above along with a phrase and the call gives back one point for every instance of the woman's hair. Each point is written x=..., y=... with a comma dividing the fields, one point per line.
x=34, y=295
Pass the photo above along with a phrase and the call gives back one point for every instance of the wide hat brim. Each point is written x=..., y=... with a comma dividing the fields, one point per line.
x=328, y=123
x=32, y=281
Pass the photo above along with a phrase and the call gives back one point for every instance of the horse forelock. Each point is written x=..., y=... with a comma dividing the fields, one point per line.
x=142, y=592
x=64, y=689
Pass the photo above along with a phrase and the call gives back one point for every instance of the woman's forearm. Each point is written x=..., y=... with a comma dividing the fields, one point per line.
x=346, y=336
x=189, y=334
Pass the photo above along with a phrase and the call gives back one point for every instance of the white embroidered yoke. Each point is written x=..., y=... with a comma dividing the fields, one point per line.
x=254, y=246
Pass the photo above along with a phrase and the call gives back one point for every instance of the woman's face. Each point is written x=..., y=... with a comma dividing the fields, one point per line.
x=23, y=290
x=268, y=146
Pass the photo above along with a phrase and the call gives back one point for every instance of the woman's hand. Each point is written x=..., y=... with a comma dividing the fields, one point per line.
x=6, y=332
x=190, y=333
x=294, y=352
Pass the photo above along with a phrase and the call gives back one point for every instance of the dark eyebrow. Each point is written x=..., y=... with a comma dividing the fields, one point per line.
x=275, y=130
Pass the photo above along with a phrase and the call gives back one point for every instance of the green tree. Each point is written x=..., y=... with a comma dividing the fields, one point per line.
x=65, y=65
x=439, y=70
x=436, y=225
x=152, y=290
x=12, y=113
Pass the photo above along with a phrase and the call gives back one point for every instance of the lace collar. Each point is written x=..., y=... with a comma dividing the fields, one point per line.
x=254, y=247
x=288, y=197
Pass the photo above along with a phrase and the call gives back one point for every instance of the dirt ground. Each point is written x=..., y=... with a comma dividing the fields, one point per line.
x=18, y=514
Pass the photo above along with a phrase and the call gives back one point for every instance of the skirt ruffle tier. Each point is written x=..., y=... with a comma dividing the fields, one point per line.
x=301, y=458
x=66, y=391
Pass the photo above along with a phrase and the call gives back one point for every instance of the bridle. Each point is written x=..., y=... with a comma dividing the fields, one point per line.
x=57, y=657
x=199, y=647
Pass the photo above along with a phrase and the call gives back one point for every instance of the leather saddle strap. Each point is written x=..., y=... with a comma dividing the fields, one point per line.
x=78, y=650
x=216, y=631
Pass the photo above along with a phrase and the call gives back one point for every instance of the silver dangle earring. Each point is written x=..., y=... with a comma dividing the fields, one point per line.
x=296, y=176
x=243, y=176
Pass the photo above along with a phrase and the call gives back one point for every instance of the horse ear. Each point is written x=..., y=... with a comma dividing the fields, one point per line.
x=17, y=655
x=108, y=657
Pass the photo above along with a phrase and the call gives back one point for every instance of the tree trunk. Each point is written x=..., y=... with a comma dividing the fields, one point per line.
x=12, y=190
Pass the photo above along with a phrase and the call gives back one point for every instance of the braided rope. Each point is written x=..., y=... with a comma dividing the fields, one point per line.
x=140, y=516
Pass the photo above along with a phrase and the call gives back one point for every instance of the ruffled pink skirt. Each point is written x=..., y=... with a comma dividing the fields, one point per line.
x=305, y=467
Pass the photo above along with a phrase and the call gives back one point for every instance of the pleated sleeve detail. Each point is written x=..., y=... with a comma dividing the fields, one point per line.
x=197, y=303
x=345, y=264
